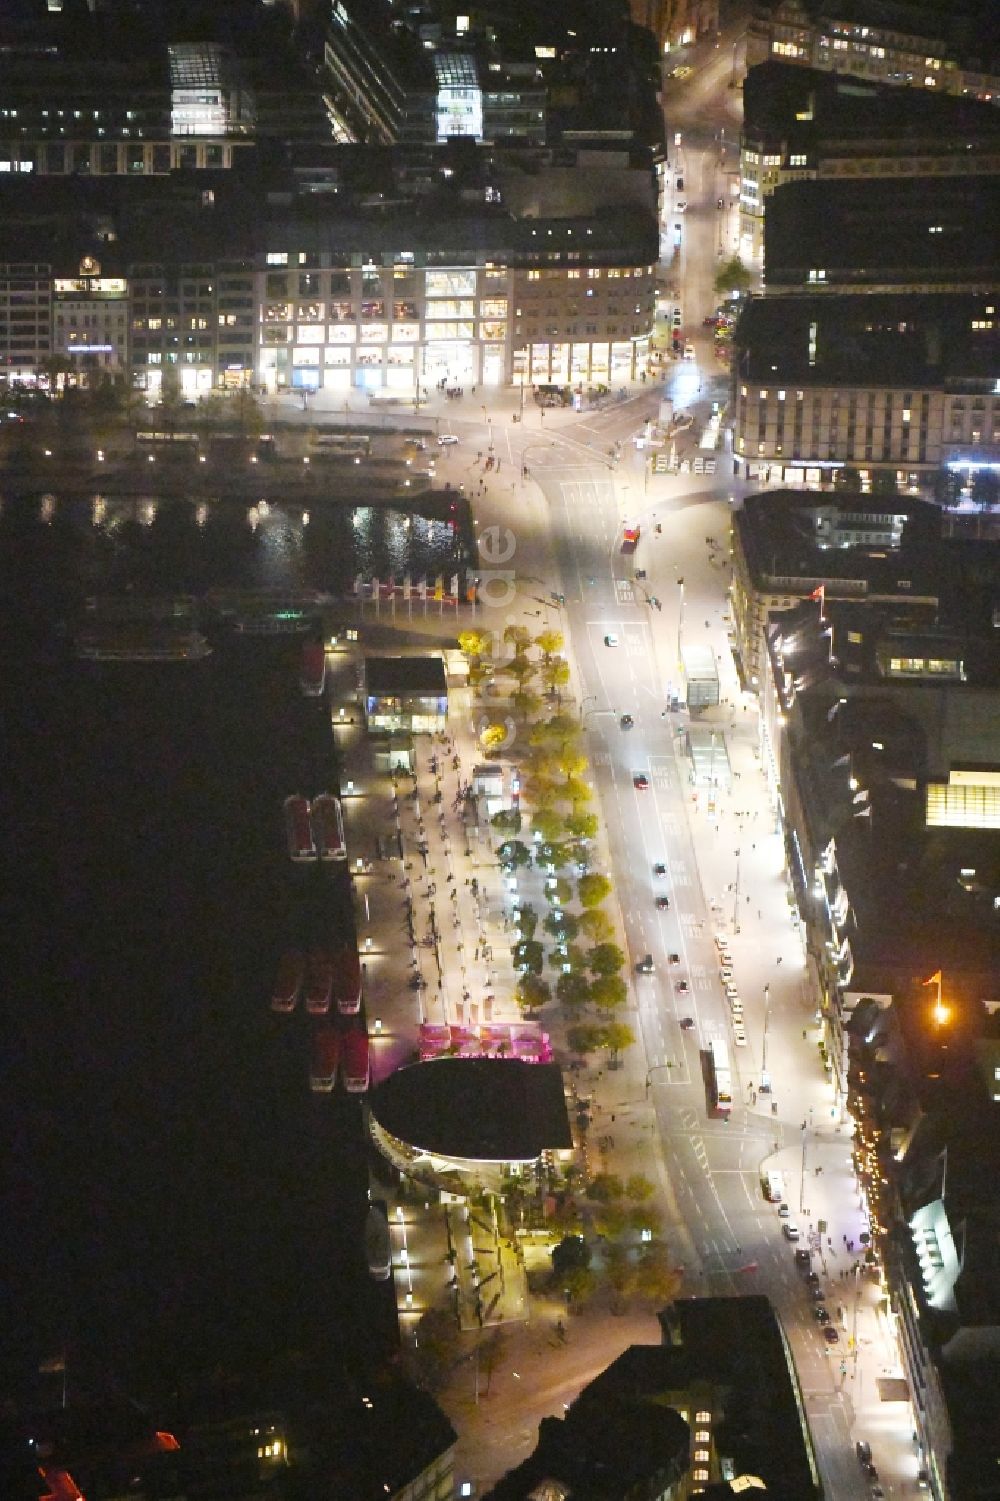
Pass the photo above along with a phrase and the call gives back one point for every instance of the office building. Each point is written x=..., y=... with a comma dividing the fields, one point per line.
x=801, y=124
x=950, y=49
x=897, y=385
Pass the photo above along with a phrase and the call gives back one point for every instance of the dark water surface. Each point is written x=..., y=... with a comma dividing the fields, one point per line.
x=173, y=1197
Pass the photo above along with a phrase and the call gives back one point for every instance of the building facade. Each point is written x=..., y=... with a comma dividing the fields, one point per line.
x=897, y=52
x=25, y=320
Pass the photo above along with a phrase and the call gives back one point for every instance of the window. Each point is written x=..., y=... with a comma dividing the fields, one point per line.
x=277, y=257
x=797, y=159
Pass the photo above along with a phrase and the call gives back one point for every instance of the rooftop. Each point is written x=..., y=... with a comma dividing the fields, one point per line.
x=872, y=339
x=884, y=230
x=398, y=675
x=477, y=1109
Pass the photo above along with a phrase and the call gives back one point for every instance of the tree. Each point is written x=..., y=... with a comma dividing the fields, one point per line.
x=532, y=992
x=525, y=701
x=617, y=1037
x=548, y=823
x=560, y=893
x=519, y=637
x=555, y=674
x=514, y=854
x=572, y=763
x=985, y=488
x=435, y=1348
x=655, y=1277
x=604, y=1187
x=612, y=1220
x=884, y=482
x=575, y=959
x=608, y=992
x=555, y=854
x=492, y=738
x=549, y=642
x=947, y=487
x=732, y=276
x=582, y=825
x=521, y=668
x=579, y=1285
x=528, y=956
x=644, y=1217
x=507, y=821
x=474, y=643
x=584, y=1038
x=577, y=792
x=596, y=925
x=561, y=925
x=593, y=889
x=638, y=1188
x=527, y=920
x=541, y=792
x=574, y=990
x=572, y=1254
x=605, y=959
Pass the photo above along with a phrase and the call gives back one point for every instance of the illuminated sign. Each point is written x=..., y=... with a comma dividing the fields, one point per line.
x=103, y=286
x=90, y=349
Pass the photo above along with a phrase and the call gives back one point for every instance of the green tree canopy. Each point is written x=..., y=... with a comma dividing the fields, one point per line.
x=474, y=643
x=608, y=992
x=561, y=925
x=638, y=1188
x=514, y=854
x=560, y=893
x=596, y=925
x=507, y=821
x=732, y=276
x=526, y=919
x=548, y=823
x=617, y=1036
x=574, y=990
x=582, y=825
x=532, y=992
x=604, y=1187
x=528, y=955
x=519, y=637
x=571, y=1254
x=584, y=1037
x=592, y=889
x=606, y=959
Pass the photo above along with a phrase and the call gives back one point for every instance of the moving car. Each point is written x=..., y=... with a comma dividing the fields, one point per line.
x=445, y=440
x=673, y=958
x=790, y=1231
x=677, y=319
x=689, y=350
x=820, y=1314
x=830, y=1335
x=645, y=965
x=662, y=903
x=783, y=1211
x=739, y=1037
x=640, y=781
x=659, y=869
x=626, y=721
x=802, y=1258
x=682, y=987
x=680, y=206
x=686, y=1023
x=611, y=639
x=815, y=1292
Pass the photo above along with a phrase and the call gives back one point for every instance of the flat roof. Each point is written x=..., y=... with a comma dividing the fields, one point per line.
x=868, y=339
x=479, y=1109
x=389, y=675
x=879, y=229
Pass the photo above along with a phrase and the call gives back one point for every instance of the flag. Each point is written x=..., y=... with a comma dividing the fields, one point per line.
x=375, y=589
x=54, y=1366
x=359, y=583
x=935, y=979
x=422, y=590
x=820, y=594
x=439, y=587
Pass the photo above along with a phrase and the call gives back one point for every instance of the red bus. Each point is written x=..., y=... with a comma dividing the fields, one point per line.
x=630, y=539
x=328, y=827
x=312, y=674
x=324, y=1058
x=299, y=829
x=288, y=982
x=355, y=1061
x=347, y=981
x=319, y=990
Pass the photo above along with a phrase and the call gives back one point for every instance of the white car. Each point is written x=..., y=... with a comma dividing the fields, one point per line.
x=722, y=943
x=680, y=205
x=732, y=993
x=446, y=439
x=739, y=1037
x=611, y=639
x=689, y=351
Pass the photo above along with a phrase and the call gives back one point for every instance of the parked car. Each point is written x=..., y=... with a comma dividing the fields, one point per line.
x=662, y=903
x=445, y=440
x=820, y=1314
x=626, y=721
x=640, y=781
x=790, y=1230
x=803, y=1259
x=830, y=1335
x=611, y=639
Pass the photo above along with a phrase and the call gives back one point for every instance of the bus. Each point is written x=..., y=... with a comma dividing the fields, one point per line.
x=328, y=827
x=354, y=1060
x=347, y=980
x=720, y=1084
x=324, y=1058
x=773, y=1185
x=298, y=829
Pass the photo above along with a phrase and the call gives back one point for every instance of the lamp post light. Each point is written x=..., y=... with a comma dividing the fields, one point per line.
x=765, y=1078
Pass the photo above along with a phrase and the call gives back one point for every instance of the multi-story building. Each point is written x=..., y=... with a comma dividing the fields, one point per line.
x=906, y=44
x=883, y=236
x=90, y=320
x=395, y=304
x=802, y=124
x=110, y=113
x=901, y=384
x=25, y=320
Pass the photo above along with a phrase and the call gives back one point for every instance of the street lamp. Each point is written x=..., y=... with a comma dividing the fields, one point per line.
x=736, y=895
x=765, y=1081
